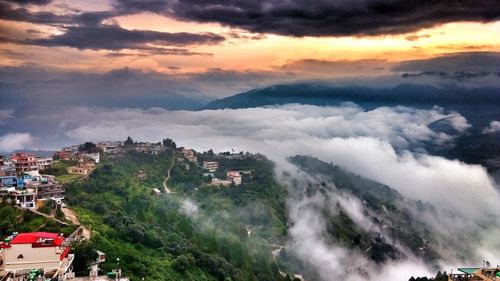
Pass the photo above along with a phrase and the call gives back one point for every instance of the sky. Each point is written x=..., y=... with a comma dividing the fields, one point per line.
x=212, y=49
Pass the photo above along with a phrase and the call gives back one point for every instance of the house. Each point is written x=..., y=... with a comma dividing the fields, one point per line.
x=189, y=154
x=109, y=147
x=84, y=167
x=486, y=273
x=156, y=192
x=49, y=188
x=234, y=176
x=42, y=251
x=7, y=168
x=24, y=162
x=44, y=162
x=94, y=156
x=211, y=166
x=25, y=198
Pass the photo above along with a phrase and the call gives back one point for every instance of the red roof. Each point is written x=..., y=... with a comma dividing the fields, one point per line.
x=34, y=238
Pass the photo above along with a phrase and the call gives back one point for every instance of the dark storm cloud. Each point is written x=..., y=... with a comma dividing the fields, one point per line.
x=32, y=2
x=10, y=12
x=85, y=30
x=113, y=37
x=321, y=17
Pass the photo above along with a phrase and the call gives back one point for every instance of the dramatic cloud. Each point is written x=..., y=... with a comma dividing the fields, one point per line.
x=14, y=141
x=85, y=30
x=493, y=128
x=321, y=18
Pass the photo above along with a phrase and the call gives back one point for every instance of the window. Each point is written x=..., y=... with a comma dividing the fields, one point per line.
x=20, y=256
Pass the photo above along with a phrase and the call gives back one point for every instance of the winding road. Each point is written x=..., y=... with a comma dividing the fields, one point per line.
x=168, y=176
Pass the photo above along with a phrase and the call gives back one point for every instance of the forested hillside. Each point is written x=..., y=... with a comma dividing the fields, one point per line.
x=197, y=232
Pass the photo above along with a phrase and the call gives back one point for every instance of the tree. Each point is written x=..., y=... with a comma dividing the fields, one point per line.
x=169, y=143
x=129, y=141
x=85, y=255
x=88, y=147
x=183, y=262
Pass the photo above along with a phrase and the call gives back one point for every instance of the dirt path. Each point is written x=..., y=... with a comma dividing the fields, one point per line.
x=167, y=177
x=44, y=215
x=71, y=216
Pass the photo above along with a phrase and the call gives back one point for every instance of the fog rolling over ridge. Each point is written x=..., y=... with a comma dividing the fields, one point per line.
x=386, y=144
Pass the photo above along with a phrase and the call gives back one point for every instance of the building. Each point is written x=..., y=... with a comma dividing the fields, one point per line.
x=109, y=147
x=49, y=188
x=44, y=162
x=94, y=156
x=42, y=251
x=20, y=190
x=25, y=198
x=476, y=274
x=84, y=167
x=234, y=176
x=189, y=154
x=156, y=192
x=7, y=168
x=24, y=162
x=211, y=166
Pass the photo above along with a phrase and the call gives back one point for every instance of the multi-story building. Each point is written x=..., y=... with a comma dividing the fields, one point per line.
x=44, y=162
x=234, y=176
x=211, y=166
x=7, y=168
x=43, y=251
x=49, y=188
x=25, y=198
x=24, y=162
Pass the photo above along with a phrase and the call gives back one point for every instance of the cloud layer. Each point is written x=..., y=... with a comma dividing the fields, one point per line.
x=15, y=141
x=322, y=18
x=384, y=144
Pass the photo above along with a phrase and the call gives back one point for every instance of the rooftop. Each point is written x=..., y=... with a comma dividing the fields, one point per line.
x=37, y=237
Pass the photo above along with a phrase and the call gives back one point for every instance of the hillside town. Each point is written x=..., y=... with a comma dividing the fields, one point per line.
x=27, y=183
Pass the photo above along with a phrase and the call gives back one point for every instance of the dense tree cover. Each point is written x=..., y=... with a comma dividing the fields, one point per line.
x=169, y=143
x=157, y=238
x=16, y=220
x=88, y=147
x=384, y=202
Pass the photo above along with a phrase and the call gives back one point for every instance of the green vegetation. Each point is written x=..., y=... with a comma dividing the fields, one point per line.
x=197, y=233
x=16, y=220
x=205, y=232
x=59, y=169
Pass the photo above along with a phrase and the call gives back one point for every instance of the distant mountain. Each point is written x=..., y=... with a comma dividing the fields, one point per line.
x=410, y=95
x=479, y=105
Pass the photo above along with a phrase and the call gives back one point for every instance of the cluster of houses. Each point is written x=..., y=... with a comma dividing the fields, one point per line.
x=21, y=181
x=210, y=167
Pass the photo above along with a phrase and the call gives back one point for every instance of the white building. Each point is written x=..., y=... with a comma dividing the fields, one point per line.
x=23, y=252
x=25, y=198
x=44, y=162
x=94, y=156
